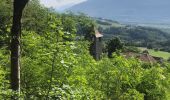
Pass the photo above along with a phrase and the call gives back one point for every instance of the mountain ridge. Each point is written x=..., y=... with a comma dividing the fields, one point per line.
x=129, y=10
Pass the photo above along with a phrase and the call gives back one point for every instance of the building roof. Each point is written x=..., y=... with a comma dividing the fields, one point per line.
x=98, y=34
x=143, y=57
x=147, y=58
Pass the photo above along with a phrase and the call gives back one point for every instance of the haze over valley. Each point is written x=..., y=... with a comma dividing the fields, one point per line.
x=127, y=11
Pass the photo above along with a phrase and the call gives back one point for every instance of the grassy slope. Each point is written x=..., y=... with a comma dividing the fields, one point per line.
x=162, y=54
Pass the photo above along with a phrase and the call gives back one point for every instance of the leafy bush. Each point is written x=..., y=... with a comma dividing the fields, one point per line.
x=113, y=45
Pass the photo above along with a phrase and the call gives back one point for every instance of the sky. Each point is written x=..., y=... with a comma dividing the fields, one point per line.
x=60, y=4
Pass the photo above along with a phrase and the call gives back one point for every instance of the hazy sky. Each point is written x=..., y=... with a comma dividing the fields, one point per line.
x=60, y=4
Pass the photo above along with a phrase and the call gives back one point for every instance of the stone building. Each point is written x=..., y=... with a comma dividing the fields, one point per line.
x=96, y=46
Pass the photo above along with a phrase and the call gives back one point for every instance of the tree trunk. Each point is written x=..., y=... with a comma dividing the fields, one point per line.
x=19, y=5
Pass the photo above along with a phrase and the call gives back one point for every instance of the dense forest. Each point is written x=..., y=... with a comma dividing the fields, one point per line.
x=56, y=63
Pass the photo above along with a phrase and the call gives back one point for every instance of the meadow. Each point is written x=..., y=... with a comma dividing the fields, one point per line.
x=165, y=55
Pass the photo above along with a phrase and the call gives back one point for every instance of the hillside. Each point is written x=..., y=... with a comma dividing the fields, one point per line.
x=156, y=11
x=134, y=35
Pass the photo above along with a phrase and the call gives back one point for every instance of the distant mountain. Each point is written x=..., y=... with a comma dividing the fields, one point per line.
x=145, y=11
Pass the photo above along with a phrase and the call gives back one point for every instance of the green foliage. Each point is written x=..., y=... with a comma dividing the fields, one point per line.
x=115, y=77
x=5, y=21
x=76, y=75
x=113, y=45
x=131, y=49
x=122, y=79
x=35, y=17
x=5, y=92
x=154, y=84
x=132, y=94
x=55, y=66
x=2, y=77
x=85, y=26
